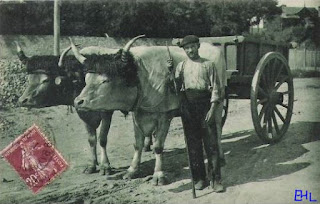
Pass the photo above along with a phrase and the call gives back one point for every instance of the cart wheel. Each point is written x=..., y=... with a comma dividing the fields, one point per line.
x=272, y=97
x=225, y=108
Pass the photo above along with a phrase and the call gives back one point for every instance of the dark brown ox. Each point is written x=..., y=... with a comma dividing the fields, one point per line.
x=137, y=81
x=53, y=81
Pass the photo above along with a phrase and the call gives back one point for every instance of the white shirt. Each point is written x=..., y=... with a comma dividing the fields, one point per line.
x=200, y=74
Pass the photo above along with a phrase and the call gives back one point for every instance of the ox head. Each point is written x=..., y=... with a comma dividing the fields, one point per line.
x=46, y=85
x=111, y=80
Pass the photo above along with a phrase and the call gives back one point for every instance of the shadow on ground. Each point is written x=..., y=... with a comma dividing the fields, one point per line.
x=248, y=159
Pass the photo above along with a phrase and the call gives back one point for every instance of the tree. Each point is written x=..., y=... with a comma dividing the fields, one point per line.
x=234, y=17
x=130, y=18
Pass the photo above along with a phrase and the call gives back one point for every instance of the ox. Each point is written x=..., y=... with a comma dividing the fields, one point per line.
x=137, y=80
x=53, y=81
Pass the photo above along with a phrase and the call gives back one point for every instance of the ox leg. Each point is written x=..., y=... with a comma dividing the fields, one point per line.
x=105, y=168
x=161, y=134
x=144, y=124
x=147, y=143
x=91, y=168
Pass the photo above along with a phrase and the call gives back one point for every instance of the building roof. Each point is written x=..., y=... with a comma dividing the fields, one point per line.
x=295, y=12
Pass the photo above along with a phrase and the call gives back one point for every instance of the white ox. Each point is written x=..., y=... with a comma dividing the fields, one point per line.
x=150, y=99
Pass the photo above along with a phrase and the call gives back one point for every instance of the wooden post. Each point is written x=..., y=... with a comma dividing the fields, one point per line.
x=295, y=58
x=305, y=59
x=317, y=61
x=56, y=28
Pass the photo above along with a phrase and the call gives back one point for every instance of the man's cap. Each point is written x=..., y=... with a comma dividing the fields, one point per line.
x=189, y=39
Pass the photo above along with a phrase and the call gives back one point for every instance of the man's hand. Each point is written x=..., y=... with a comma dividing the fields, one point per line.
x=210, y=115
x=170, y=64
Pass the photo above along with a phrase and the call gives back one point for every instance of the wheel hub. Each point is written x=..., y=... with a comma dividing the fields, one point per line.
x=276, y=97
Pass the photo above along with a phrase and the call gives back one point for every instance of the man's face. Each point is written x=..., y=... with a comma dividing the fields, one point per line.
x=192, y=50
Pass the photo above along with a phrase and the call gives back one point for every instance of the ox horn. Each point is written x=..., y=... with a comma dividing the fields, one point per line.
x=76, y=52
x=126, y=48
x=22, y=57
x=64, y=53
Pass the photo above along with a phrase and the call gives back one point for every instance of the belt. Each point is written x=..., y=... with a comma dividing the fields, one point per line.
x=194, y=95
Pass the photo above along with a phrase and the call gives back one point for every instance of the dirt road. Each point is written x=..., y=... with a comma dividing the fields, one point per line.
x=255, y=173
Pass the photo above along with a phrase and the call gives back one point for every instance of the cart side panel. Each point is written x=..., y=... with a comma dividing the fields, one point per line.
x=252, y=57
x=250, y=53
x=231, y=57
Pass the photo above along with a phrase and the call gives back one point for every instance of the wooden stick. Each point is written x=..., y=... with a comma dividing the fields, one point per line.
x=173, y=77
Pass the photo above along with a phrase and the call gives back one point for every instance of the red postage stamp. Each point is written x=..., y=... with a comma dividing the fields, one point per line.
x=34, y=158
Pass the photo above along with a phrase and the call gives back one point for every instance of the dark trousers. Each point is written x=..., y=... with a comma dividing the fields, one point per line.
x=198, y=135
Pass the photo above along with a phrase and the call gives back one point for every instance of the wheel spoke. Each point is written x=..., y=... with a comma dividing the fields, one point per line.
x=281, y=82
x=275, y=123
x=279, y=114
x=269, y=126
x=267, y=77
x=278, y=74
x=286, y=92
x=263, y=109
x=264, y=80
x=283, y=105
x=262, y=101
x=262, y=91
x=265, y=122
x=273, y=70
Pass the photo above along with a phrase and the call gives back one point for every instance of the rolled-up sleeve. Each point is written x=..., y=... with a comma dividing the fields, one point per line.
x=216, y=88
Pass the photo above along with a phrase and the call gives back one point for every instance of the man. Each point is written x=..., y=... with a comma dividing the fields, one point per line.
x=201, y=93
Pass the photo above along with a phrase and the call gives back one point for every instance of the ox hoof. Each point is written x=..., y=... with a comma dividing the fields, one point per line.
x=159, y=179
x=90, y=170
x=104, y=170
x=147, y=148
x=131, y=174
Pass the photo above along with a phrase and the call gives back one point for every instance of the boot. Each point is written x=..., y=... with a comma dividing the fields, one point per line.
x=217, y=186
x=200, y=185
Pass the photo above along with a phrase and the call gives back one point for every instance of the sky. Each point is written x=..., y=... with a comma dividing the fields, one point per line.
x=300, y=3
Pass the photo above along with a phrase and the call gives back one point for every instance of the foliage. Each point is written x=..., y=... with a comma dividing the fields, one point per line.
x=300, y=33
x=236, y=17
x=129, y=18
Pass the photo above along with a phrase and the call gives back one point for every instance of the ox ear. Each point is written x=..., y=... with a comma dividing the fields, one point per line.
x=22, y=57
x=127, y=47
x=76, y=52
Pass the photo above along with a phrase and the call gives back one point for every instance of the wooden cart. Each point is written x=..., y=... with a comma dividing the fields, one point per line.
x=258, y=70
